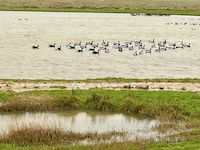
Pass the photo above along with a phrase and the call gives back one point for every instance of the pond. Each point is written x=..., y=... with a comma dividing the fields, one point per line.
x=20, y=30
x=80, y=121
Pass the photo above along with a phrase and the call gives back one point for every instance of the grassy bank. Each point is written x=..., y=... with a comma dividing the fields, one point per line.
x=109, y=79
x=163, y=104
x=179, y=7
x=176, y=107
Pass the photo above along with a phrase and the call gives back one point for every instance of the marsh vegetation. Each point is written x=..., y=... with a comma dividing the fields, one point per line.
x=126, y=6
x=177, y=112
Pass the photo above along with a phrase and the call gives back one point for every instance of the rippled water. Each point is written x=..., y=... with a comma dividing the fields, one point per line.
x=80, y=120
x=18, y=60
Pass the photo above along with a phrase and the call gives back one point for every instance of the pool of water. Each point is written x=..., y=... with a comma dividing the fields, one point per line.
x=80, y=121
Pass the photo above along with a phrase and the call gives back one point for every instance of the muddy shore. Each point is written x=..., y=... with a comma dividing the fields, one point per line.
x=151, y=86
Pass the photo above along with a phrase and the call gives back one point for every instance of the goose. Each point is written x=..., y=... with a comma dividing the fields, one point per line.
x=185, y=45
x=161, y=45
x=95, y=52
x=163, y=49
x=83, y=46
x=115, y=47
x=170, y=48
x=117, y=43
x=79, y=50
x=179, y=46
x=52, y=45
x=95, y=45
x=128, y=43
x=120, y=49
x=77, y=44
x=165, y=41
x=107, y=51
x=142, y=47
x=105, y=44
x=172, y=44
x=137, y=42
x=152, y=41
x=58, y=48
x=71, y=47
x=157, y=50
x=153, y=46
x=135, y=54
x=124, y=46
x=91, y=49
x=130, y=48
x=89, y=43
x=148, y=51
x=35, y=47
x=102, y=48
x=141, y=52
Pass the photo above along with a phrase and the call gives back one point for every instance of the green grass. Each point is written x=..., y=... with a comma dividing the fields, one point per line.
x=109, y=79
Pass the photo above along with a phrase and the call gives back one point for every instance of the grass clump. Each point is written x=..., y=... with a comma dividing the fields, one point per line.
x=33, y=134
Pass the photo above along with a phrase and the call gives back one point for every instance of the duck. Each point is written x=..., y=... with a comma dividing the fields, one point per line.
x=148, y=51
x=130, y=48
x=141, y=52
x=107, y=51
x=152, y=41
x=35, y=47
x=120, y=49
x=128, y=43
x=77, y=44
x=95, y=52
x=52, y=45
x=79, y=50
x=89, y=43
x=135, y=54
x=58, y=48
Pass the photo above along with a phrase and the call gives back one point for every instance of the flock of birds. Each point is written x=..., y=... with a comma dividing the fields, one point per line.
x=136, y=46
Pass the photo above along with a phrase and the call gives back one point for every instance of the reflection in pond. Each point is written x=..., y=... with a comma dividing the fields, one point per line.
x=80, y=121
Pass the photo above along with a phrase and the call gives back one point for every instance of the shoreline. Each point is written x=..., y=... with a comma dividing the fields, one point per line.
x=59, y=85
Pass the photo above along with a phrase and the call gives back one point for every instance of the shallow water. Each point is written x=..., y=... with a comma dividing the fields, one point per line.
x=80, y=121
x=19, y=61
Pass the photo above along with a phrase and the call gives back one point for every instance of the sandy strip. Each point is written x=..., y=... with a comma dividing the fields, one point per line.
x=151, y=86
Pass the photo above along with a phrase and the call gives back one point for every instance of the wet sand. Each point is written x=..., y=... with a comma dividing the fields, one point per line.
x=19, y=61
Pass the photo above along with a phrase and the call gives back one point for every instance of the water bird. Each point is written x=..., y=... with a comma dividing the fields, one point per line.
x=124, y=46
x=71, y=47
x=130, y=48
x=172, y=44
x=35, y=47
x=135, y=54
x=91, y=49
x=180, y=46
x=117, y=43
x=58, y=48
x=153, y=46
x=89, y=43
x=128, y=43
x=141, y=52
x=52, y=45
x=102, y=48
x=95, y=45
x=148, y=51
x=157, y=50
x=105, y=44
x=79, y=50
x=185, y=45
x=137, y=42
x=120, y=49
x=142, y=47
x=107, y=51
x=95, y=52
x=77, y=44
x=152, y=41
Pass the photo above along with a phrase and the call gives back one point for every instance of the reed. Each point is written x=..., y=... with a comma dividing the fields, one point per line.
x=33, y=134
